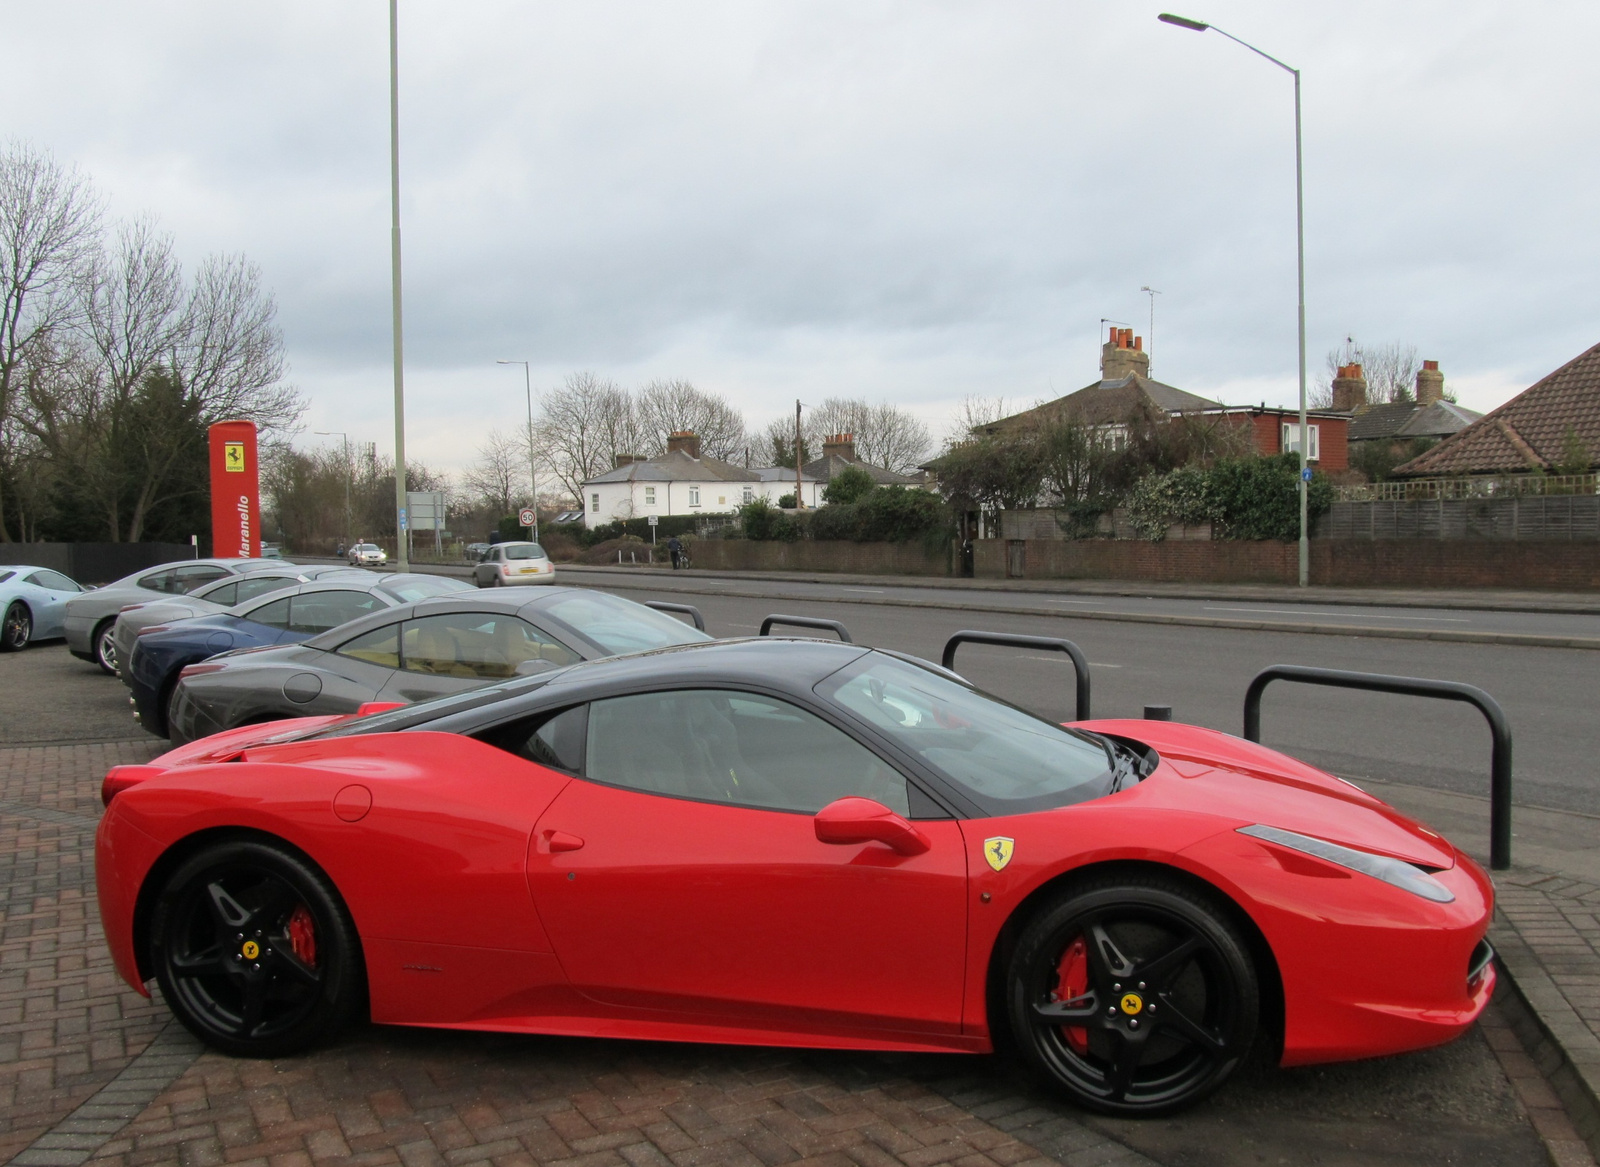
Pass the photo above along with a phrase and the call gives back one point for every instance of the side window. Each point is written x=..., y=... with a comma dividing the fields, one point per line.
x=314, y=612
x=550, y=739
x=381, y=647
x=227, y=595
x=161, y=581
x=723, y=746
x=473, y=644
x=186, y=579
x=273, y=615
x=249, y=589
x=53, y=580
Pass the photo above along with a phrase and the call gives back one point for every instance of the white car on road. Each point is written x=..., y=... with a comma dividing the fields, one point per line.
x=368, y=555
x=514, y=563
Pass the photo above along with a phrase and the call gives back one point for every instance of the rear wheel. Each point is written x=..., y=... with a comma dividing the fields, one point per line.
x=105, y=646
x=1133, y=996
x=17, y=629
x=254, y=951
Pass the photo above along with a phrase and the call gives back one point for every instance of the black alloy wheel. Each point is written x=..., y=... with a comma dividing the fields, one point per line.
x=254, y=951
x=105, y=646
x=17, y=629
x=1133, y=996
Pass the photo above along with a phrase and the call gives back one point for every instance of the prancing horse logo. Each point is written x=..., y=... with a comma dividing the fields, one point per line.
x=998, y=851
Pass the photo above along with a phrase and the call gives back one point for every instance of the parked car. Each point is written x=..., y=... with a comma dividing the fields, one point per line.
x=34, y=603
x=91, y=616
x=423, y=650
x=796, y=843
x=285, y=615
x=475, y=551
x=217, y=596
x=368, y=555
x=514, y=563
x=271, y=551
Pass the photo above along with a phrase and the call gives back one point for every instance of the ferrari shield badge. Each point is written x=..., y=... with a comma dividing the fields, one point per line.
x=998, y=851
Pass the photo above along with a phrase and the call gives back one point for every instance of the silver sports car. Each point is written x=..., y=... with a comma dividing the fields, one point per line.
x=34, y=603
x=415, y=652
x=91, y=616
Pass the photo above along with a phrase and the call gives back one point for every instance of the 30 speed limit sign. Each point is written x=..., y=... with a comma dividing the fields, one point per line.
x=526, y=517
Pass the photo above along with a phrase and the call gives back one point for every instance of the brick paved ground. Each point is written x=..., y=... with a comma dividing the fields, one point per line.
x=386, y=1095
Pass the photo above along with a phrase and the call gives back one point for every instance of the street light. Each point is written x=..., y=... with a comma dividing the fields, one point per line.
x=402, y=525
x=347, y=471
x=1300, y=251
x=533, y=470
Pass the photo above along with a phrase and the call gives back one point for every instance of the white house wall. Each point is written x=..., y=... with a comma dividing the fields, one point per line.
x=610, y=502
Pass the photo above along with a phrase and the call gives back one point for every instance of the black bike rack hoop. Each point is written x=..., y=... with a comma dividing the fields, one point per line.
x=688, y=610
x=1499, y=729
x=1080, y=663
x=807, y=622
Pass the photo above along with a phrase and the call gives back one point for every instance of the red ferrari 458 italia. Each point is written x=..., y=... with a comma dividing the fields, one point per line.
x=791, y=842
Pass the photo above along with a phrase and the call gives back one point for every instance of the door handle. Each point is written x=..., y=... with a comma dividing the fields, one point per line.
x=561, y=841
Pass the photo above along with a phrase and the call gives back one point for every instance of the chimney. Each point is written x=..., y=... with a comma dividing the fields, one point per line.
x=1350, y=390
x=1123, y=355
x=684, y=440
x=840, y=446
x=626, y=459
x=1430, y=383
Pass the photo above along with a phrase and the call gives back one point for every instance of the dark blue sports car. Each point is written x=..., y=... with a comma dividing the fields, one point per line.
x=286, y=616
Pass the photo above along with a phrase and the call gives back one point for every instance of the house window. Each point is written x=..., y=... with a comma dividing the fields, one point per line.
x=749, y=494
x=694, y=496
x=649, y=496
x=594, y=503
x=1291, y=440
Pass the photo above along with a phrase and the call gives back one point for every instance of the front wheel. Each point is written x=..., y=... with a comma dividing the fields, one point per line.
x=254, y=951
x=17, y=629
x=1133, y=996
x=105, y=647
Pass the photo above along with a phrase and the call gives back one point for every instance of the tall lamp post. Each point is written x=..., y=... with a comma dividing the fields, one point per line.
x=402, y=525
x=1300, y=252
x=533, y=466
x=347, y=472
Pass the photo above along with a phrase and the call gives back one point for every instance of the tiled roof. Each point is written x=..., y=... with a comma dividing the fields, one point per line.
x=676, y=466
x=1109, y=403
x=1529, y=431
x=1381, y=421
x=823, y=470
x=1407, y=419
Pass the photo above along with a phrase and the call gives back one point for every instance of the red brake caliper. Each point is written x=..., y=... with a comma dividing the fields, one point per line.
x=303, y=935
x=1072, y=979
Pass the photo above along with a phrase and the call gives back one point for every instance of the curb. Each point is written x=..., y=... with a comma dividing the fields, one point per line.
x=1566, y=1052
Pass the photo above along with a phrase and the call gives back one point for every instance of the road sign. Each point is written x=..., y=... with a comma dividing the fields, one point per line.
x=402, y=518
x=1306, y=474
x=653, y=519
x=425, y=510
x=527, y=517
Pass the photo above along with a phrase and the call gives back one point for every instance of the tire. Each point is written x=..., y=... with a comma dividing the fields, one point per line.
x=17, y=628
x=104, y=646
x=1161, y=987
x=169, y=706
x=254, y=951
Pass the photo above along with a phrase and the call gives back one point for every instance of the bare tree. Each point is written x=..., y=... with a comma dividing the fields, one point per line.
x=498, y=480
x=582, y=427
x=1390, y=370
x=231, y=356
x=668, y=406
x=885, y=435
x=972, y=415
x=49, y=224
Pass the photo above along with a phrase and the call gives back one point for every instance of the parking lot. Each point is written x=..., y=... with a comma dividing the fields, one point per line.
x=72, y=1035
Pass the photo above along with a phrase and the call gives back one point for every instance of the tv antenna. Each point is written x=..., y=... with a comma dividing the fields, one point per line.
x=1150, y=348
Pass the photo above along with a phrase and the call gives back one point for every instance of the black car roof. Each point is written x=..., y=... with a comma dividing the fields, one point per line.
x=467, y=601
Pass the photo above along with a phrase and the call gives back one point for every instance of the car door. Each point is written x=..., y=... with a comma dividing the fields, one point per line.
x=463, y=650
x=682, y=874
x=50, y=602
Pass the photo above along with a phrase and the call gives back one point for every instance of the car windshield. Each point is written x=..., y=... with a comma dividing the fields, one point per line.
x=1008, y=760
x=421, y=587
x=524, y=551
x=619, y=625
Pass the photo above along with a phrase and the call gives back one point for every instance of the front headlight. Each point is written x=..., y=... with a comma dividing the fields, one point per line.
x=1396, y=872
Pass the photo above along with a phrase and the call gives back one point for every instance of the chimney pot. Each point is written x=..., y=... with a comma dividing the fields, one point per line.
x=1430, y=383
x=1350, y=389
x=686, y=441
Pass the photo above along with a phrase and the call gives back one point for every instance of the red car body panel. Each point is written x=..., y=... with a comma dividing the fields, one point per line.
x=492, y=893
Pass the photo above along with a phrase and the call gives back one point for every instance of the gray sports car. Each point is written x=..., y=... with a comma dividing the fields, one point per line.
x=414, y=652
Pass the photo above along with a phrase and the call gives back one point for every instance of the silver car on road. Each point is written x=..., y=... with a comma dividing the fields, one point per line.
x=506, y=564
x=413, y=653
x=92, y=616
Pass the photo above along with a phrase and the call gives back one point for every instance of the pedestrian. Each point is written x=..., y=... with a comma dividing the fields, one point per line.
x=339, y=550
x=675, y=548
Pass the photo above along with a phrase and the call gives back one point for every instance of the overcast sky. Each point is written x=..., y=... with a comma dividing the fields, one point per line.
x=903, y=201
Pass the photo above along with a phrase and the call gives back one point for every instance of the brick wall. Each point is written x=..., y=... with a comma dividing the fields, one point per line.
x=822, y=555
x=1562, y=566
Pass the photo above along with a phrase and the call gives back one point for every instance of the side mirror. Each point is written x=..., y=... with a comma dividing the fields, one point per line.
x=861, y=820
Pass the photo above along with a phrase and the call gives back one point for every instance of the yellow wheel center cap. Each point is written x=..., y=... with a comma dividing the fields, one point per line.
x=251, y=950
x=1132, y=1003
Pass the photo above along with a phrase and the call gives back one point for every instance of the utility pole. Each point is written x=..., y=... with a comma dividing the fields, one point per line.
x=1150, y=349
x=799, y=496
x=533, y=465
x=402, y=523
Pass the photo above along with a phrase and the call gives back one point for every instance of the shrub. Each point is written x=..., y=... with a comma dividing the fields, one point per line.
x=850, y=485
x=763, y=521
x=1185, y=495
x=1243, y=498
x=787, y=501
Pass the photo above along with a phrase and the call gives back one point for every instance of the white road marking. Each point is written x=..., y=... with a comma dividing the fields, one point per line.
x=1342, y=615
x=861, y=589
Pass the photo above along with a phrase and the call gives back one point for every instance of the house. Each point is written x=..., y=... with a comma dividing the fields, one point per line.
x=839, y=452
x=1125, y=392
x=1428, y=417
x=1536, y=432
x=783, y=480
x=679, y=482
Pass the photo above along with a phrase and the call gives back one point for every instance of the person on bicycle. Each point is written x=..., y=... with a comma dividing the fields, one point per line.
x=675, y=549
